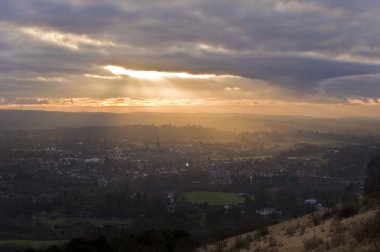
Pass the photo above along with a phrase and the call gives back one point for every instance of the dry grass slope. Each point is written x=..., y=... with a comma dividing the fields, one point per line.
x=313, y=232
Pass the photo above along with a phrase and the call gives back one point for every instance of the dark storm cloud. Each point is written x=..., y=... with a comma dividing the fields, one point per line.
x=295, y=45
x=65, y=15
x=355, y=86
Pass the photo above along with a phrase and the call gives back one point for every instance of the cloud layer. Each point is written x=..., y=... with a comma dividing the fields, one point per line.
x=295, y=51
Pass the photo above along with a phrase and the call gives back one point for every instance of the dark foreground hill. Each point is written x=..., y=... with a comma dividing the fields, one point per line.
x=150, y=240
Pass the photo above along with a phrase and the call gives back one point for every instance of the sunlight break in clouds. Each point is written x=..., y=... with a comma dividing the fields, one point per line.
x=139, y=74
x=95, y=76
x=127, y=105
x=68, y=40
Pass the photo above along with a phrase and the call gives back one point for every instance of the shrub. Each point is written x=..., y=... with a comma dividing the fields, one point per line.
x=220, y=245
x=312, y=243
x=372, y=180
x=359, y=230
x=263, y=231
x=348, y=209
x=242, y=242
x=290, y=230
x=373, y=225
x=258, y=249
x=367, y=228
x=239, y=243
x=316, y=219
x=302, y=229
x=337, y=233
x=249, y=237
x=327, y=213
x=272, y=242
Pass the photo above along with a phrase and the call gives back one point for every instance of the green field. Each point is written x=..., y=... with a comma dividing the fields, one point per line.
x=13, y=243
x=261, y=157
x=97, y=221
x=212, y=198
x=313, y=156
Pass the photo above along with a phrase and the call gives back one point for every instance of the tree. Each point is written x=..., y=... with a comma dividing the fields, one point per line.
x=372, y=179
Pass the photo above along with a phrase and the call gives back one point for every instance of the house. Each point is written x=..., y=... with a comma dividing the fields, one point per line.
x=319, y=206
x=92, y=161
x=268, y=211
x=311, y=201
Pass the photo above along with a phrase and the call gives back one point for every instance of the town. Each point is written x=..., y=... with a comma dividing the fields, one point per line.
x=61, y=183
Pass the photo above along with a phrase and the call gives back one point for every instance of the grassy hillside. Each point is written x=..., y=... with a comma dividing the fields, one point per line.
x=325, y=230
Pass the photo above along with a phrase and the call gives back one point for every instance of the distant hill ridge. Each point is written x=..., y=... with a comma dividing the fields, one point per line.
x=28, y=119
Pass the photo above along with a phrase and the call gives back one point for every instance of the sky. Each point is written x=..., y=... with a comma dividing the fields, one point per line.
x=314, y=58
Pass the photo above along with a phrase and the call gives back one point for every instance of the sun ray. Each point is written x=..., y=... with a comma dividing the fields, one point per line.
x=140, y=74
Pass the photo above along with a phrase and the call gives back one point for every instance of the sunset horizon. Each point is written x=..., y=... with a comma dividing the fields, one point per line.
x=261, y=57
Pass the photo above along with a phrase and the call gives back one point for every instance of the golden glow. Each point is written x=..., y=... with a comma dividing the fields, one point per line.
x=127, y=102
x=47, y=79
x=68, y=40
x=95, y=76
x=367, y=101
x=211, y=48
x=151, y=75
x=263, y=107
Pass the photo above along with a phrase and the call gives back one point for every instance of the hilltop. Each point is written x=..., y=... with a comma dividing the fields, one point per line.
x=324, y=230
x=352, y=225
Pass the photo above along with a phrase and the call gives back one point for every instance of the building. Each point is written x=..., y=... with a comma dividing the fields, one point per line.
x=268, y=211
